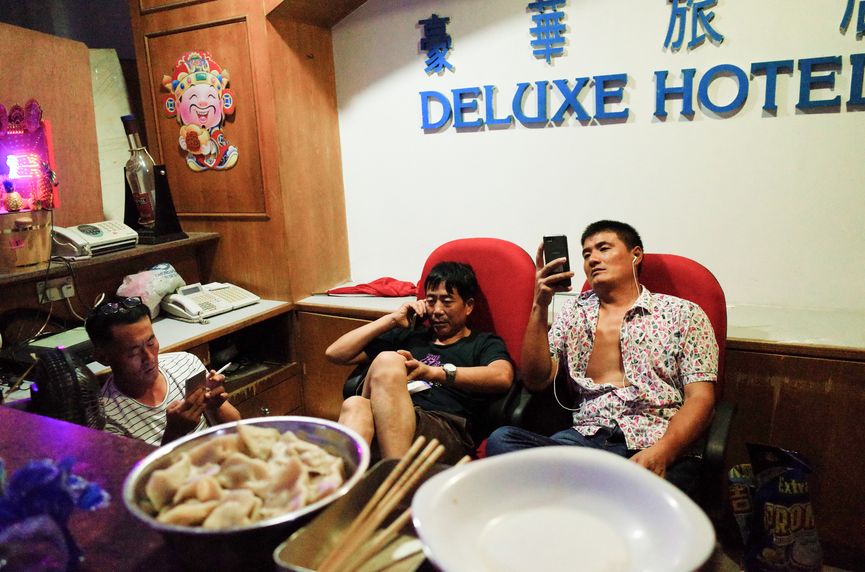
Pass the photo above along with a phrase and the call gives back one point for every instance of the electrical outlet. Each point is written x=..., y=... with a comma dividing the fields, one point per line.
x=55, y=289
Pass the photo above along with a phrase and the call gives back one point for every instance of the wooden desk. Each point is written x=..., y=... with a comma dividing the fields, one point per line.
x=110, y=538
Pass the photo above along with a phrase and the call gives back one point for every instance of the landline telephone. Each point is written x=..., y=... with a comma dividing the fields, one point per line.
x=92, y=239
x=196, y=302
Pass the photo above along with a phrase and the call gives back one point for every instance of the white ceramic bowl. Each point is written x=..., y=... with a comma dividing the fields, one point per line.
x=559, y=508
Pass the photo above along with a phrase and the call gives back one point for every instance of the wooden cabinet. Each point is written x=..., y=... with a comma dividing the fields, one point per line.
x=322, y=380
x=811, y=401
x=280, y=209
x=258, y=336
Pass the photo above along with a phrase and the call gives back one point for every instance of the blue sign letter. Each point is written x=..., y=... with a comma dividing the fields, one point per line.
x=470, y=105
x=709, y=77
x=686, y=91
x=489, y=99
x=772, y=69
x=602, y=94
x=425, y=97
x=808, y=81
x=571, y=101
x=858, y=62
x=517, y=105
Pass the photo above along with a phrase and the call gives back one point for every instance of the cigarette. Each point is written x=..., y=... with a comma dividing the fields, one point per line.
x=223, y=368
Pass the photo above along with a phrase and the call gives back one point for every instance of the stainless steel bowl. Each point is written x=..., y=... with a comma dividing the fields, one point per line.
x=244, y=547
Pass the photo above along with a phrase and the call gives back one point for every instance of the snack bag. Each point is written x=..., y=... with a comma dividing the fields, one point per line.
x=741, y=494
x=781, y=533
x=152, y=285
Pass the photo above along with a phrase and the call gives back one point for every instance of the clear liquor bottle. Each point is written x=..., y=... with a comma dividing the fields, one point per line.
x=140, y=174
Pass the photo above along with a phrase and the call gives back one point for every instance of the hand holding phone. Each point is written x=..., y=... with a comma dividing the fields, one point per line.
x=557, y=247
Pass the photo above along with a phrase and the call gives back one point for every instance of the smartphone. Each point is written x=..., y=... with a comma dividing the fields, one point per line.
x=557, y=247
x=195, y=382
x=413, y=319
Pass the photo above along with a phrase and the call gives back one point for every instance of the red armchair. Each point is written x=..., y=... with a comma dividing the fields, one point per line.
x=506, y=280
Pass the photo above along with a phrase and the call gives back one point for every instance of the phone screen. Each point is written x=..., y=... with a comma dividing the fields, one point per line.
x=195, y=382
x=557, y=247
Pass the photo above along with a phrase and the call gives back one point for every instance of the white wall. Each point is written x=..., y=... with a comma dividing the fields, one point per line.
x=773, y=205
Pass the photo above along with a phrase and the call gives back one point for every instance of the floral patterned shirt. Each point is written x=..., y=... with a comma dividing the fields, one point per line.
x=666, y=343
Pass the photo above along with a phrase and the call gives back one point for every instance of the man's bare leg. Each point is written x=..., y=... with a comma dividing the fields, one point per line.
x=356, y=414
x=391, y=405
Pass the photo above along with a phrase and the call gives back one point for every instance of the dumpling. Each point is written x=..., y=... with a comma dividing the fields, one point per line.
x=238, y=508
x=202, y=490
x=164, y=483
x=257, y=441
x=214, y=450
x=238, y=469
x=190, y=513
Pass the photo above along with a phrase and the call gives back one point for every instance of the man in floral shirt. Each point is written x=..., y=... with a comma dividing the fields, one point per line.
x=643, y=365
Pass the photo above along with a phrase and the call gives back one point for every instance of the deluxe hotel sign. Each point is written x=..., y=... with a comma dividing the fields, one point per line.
x=600, y=97
x=476, y=106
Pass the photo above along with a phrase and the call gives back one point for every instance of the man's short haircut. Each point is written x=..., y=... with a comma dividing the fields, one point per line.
x=624, y=231
x=100, y=320
x=455, y=276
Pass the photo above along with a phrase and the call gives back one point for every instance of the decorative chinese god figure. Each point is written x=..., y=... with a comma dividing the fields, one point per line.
x=200, y=100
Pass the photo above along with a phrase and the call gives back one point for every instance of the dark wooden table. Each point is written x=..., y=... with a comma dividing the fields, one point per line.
x=111, y=538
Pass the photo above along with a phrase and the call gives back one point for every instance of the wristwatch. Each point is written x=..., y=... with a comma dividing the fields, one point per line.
x=450, y=373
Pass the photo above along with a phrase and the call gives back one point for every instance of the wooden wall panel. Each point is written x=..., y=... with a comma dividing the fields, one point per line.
x=251, y=254
x=56, y=72
x=322, y=380
x=813, y=406
x=152, y=5
x=307, y=120
x=324, y=14
x=254, y=250
x=235, y=190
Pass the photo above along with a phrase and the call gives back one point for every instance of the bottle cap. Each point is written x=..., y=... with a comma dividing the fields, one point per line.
x=130, y=124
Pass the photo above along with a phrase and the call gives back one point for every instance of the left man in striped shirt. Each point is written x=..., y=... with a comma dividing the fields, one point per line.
x=145, y=395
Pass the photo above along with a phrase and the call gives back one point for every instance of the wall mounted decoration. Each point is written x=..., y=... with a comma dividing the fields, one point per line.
x=860, y=19
x=548, y=29
x=201, y=100
x=436, y=43
x=699, y=15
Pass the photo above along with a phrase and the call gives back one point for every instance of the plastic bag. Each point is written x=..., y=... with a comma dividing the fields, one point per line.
x=771, y=501
x=152, y=285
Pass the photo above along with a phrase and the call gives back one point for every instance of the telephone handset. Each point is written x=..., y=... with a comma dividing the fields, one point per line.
x=196, y=302
x=182, y=307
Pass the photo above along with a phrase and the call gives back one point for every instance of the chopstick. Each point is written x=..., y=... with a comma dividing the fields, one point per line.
x=404, y=476
x=386, y=536
x=17, y=383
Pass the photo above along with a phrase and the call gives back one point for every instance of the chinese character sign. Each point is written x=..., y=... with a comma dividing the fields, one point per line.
x=201, y=100
x=548, y=29
x=436, y=43
x=700, y=17
x=860, y=18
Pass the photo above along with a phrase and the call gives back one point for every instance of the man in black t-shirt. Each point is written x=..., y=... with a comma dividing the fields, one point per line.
x=431, y=381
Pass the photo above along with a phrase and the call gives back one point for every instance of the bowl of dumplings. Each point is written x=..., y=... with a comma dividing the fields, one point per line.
x=225, y=497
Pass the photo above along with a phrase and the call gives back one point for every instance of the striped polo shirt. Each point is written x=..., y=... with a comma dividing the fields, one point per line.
x=130, y=418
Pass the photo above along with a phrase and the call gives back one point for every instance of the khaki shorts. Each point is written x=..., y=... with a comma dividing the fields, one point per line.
x=450, y=430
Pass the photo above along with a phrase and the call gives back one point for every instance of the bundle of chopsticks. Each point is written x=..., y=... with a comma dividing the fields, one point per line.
x=363, y=540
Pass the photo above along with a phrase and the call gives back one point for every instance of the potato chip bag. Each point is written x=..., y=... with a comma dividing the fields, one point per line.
x=772, y=504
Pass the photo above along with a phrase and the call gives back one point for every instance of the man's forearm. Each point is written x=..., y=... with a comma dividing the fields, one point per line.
x=348, y=347
x=536, y=365
x=226, y=413
x=689, y=422
x=495, y=377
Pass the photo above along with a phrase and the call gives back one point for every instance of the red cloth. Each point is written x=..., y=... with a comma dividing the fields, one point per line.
x=380, y=287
